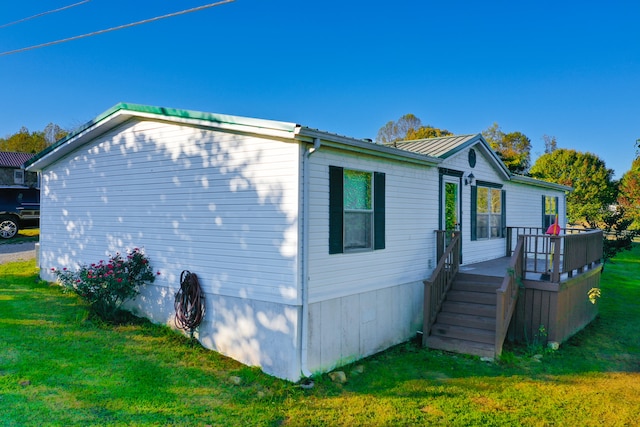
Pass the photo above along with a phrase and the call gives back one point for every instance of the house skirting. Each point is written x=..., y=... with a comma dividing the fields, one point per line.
x=343, y=330
x=255, y=333
x=266, y=334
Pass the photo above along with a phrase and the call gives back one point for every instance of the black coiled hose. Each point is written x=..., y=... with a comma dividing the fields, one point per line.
x=189, y=303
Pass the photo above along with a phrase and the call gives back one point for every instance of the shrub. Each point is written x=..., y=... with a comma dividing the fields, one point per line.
x=105, y=286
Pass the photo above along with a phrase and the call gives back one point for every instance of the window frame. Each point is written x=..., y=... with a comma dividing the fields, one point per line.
x=337, y=223
x=549, y=219
x=18, y=176
x=357, y=212
x=492, y=217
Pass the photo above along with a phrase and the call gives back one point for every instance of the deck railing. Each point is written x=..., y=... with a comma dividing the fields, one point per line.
x=507, y=294
x=436, y=287
x=552, y=256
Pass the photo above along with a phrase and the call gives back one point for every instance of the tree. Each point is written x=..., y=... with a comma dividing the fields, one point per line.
x=396, y=131
x=53, y=132
x=617, y=236
x=550, y=144
x=593, y=189
x=513, y=148
x=516, y=152
x=426, y=132
x=629, y=193
x=407, y=127
x=24, y=141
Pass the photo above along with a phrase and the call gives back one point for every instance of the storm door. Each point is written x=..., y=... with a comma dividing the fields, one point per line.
x=450, y=214
x=450, y=204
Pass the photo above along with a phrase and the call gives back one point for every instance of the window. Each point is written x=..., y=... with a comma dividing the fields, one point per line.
x=356, y=210
x=549, y=211
x=18, y=176
x=487, y=211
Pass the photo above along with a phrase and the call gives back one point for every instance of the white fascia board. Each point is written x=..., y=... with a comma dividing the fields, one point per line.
x=77, y=140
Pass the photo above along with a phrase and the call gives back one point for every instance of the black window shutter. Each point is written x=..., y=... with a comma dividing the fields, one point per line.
x=503, y=220
x=544, y=212
x=379, y=210
x=474, y=212
x=336, y=209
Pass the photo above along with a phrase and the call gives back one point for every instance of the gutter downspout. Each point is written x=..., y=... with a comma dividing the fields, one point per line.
x=304, y=342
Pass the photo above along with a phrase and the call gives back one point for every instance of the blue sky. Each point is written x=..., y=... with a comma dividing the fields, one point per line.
x=569, y=69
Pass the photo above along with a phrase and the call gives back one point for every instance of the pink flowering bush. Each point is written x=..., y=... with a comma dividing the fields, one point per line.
x=105, y=286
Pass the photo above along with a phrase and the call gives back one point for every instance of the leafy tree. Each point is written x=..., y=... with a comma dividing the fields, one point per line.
x=493, y=134
x=629, y=193
x=426, y=132
x=407, y=127
x=593, y=189
x=24, y=141
x=513, y=148
x=617, y=236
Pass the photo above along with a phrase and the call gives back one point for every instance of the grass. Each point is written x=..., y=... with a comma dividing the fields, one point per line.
x=58, y=366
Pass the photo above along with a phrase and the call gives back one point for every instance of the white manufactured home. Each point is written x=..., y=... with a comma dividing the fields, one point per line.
x=311, y=247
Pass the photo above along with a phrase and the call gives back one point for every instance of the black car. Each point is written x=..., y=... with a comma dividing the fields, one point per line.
x=19, y=208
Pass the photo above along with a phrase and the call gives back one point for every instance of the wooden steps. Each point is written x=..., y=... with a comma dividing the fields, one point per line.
x=467, y=322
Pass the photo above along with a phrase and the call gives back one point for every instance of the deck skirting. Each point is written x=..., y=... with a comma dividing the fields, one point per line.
x=553, y=312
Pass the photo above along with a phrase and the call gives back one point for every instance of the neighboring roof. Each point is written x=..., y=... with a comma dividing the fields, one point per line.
x=122, y=112
x=13, y=160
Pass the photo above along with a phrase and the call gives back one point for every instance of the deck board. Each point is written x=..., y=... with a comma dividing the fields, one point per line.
x=498, y=267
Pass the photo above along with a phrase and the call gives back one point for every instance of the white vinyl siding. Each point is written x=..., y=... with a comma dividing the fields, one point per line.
x=524, y=206
x=411, y=216
x=476, y=250
x=221, y=205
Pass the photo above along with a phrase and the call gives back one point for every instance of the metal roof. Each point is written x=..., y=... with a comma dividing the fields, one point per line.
x=13, y=160
x=441, y=147
x=447, y=146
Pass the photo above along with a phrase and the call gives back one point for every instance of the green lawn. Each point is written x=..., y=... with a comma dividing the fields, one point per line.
x=60, y=367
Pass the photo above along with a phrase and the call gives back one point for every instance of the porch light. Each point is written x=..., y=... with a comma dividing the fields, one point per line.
x=469, y=179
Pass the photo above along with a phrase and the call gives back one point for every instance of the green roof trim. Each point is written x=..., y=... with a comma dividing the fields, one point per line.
x=208, y=117
x=220, y=119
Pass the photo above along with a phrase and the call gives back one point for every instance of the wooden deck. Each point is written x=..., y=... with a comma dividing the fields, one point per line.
x=499, y=268
x=546, y=295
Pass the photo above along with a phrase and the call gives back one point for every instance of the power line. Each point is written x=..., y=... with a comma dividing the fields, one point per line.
x=60, y=9
x=120, y=27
